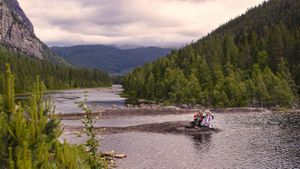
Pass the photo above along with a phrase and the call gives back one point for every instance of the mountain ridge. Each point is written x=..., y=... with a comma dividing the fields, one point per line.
x=110, y=58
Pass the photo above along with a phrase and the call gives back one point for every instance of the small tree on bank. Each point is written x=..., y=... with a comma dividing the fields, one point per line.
x=29, y=134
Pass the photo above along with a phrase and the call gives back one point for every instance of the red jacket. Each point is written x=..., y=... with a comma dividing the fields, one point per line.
x=195, y=115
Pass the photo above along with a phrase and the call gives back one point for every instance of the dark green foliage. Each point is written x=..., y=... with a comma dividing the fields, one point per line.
x=117, y=79
x=54, y=76
x=252, y=60
x=29, y=134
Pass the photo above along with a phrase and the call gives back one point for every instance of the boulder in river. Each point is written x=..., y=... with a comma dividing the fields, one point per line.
x=120, y=156
x=184, y=106
x=112, y=154
x=129, y=105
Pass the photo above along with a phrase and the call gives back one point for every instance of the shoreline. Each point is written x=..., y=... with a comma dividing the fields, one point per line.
x=113, y=88
x=178, y=127
x=152, y=111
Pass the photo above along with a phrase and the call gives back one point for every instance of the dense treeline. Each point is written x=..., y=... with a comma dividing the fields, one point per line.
x=251, y=61
x=29, y=134
x=55, y=76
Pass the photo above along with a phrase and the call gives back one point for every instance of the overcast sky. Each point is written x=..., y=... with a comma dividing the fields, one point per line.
x=165, y=23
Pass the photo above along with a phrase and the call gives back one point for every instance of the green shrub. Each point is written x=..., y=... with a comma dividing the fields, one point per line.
x=29, y=134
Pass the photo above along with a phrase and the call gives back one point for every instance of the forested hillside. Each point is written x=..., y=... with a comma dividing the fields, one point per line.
x=253, y=60
x=110, y=58
x=55, y=76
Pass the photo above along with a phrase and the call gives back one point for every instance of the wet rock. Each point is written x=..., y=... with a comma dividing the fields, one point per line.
x=120, y=156
x=155, y=106
x=142, y=105
x=129, y=105
x=112, y=162
x=184, y=106
x=171, y=107
x=198, y=106
x=145, y=101
x=110, y=159
x=112, y=154
x=108, y=154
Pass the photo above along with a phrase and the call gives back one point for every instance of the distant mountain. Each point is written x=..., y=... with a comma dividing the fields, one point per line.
x=110, y=58
x=17, y=33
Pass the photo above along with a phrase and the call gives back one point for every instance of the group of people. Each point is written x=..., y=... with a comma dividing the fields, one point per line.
x=203, y=119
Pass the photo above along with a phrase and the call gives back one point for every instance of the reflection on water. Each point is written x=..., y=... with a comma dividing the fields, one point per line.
x=149, y=150
x=65, y=100
x=253, y=140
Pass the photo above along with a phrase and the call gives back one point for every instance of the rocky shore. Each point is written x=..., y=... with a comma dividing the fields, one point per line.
x=179, y=127
x=155, y=110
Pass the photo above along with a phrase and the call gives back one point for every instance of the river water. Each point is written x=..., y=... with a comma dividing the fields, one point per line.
x=66, y=101
x=246, y=140
x=256, y=140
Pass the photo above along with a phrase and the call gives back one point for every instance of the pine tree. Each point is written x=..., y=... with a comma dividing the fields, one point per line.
x=29, y=134
x=231, y=52
x=8, y=94
x=275, y=48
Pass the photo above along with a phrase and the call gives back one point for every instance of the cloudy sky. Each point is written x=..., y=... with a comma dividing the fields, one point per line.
x=165, y=23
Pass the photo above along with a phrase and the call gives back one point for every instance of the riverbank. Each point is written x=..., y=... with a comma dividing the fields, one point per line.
x=152, y=135
x=151, y=111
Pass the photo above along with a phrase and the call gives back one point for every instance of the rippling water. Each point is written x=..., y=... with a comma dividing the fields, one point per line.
x=247, y=140
x=253, y=140
x=65, y=100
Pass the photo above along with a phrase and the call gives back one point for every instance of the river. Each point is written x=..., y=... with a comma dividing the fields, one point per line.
x=66, y=101
x=246, y=140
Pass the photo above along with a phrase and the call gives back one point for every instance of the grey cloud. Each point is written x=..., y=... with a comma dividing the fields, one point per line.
x=136, y=22
x=107, y=19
